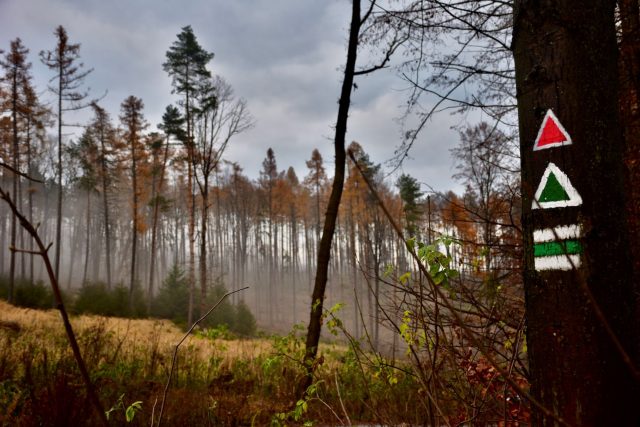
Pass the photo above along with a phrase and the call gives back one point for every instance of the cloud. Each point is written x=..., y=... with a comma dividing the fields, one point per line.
x=284, y=57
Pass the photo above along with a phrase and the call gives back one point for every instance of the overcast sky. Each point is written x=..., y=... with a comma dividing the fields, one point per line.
x=283, y=56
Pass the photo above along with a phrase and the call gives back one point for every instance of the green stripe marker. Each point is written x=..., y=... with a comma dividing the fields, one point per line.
x=557, y=248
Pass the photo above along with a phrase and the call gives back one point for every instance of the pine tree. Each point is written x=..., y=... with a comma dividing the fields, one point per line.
x=410, y=194
x=187, y=65
x=70, y=77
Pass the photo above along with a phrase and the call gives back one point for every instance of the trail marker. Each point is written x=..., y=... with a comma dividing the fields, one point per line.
x=555, y=190
x=551, y=133
x=557, y=248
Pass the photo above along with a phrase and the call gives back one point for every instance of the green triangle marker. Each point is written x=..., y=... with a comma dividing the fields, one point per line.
x=555, y=190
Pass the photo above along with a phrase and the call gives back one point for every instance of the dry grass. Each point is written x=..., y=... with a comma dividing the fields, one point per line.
x=217, y=382
x=134, y=334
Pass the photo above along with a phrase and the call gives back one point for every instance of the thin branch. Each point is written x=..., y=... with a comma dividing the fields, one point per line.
x=17, y=172
x=458, y=319
x=24, y=222
x=186, y=335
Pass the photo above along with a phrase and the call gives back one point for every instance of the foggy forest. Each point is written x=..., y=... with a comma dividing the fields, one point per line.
x=146, y=278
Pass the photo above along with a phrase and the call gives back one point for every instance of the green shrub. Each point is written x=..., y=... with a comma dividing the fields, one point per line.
x=97, y=298
x=224, y=314
x=245, y=323
x=172, y=302
x=27, y=294
x=32, y=295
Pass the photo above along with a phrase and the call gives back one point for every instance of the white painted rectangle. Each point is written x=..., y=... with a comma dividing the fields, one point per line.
x=562, y=232
x=557, y=262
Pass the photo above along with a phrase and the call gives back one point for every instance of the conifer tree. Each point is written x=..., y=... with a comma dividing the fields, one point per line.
x=134, y=124
x=69, y=74
x=16, y=76
x=187, y=65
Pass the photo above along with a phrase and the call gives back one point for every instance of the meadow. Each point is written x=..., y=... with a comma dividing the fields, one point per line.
x=219, y=379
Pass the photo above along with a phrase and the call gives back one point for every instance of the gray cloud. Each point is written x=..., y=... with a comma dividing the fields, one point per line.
x=283, y=56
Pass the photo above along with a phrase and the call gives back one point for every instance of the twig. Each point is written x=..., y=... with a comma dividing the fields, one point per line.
x=24, y=222
x=458, y=319
x=153, y=411
x=175, y=351
x=344, y=411
x=17, y=172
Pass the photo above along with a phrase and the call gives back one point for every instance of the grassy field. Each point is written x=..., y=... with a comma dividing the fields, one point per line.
x=217, y=381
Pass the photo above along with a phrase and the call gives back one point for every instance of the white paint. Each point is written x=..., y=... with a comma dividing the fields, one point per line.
x=557, y=262
x=568, y=141
x=563, y=179
x=562, y=232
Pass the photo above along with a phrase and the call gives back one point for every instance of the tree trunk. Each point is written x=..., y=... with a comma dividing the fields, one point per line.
x=105, y=204
x=192, y=237
x=134, y=228
x=203, y=244
x=14, y=222
x=154, y=225
x=566, y=61
x=56, y=265
x=87, y=240
x=630, y=109
x=324, y=250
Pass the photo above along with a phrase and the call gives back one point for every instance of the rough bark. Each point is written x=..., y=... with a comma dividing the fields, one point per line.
x=629, y=66
x=566, y=60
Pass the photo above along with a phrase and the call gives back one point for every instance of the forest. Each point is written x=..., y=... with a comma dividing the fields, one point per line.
x=145, y=279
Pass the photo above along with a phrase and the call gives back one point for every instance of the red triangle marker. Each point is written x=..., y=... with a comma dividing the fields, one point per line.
x=551, y=133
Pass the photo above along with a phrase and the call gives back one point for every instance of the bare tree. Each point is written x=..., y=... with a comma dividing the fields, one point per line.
x=218, y=118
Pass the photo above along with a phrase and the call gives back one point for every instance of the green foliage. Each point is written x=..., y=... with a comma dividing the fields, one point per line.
x=129, y=411
x=187, y=62
x=172, y=302
x=438, y=263
x=33, y=295
x=27, y=294
x=97, y=298
x=410, y=194
x=295, y=414
x=245, y=322
x=218, y=332
x=224, y=314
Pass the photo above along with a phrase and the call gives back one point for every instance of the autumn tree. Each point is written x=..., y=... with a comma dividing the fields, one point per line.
x=172, y=125
x=16, y=77
x=35, y=117
x=103, y=133
x=86, y=152
x=485, y=164
x=69, y=78
x=134, y=124
x=316, y=179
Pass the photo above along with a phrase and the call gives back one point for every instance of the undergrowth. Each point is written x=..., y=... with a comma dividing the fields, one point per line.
x=217, y=381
